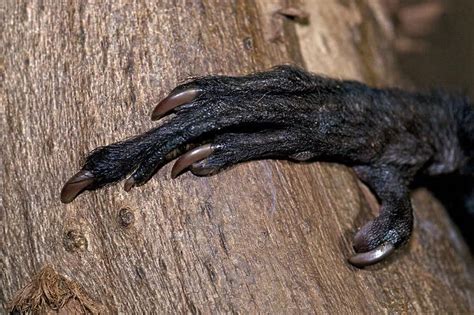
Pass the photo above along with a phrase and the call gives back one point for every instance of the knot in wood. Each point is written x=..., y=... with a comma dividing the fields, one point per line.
x=74, y=241
x=126, y=217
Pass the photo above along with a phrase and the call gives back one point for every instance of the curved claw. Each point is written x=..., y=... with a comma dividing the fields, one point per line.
x=174, y=100
x=372, y=257
x=75, y=185
x=190, y=157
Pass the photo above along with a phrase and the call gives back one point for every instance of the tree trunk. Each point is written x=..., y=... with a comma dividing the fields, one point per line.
x=266, y=236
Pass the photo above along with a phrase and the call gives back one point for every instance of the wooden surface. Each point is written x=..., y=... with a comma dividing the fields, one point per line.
x=267, y=236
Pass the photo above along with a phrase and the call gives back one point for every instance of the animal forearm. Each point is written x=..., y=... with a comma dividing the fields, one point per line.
x=387, y=135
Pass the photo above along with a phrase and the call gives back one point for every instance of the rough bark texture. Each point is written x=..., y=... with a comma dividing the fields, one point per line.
x=267, y=236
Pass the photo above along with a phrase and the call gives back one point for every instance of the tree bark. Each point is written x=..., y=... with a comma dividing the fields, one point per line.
x=266, y=236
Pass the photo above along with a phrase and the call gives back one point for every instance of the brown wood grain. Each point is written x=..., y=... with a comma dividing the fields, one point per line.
x=266, y=236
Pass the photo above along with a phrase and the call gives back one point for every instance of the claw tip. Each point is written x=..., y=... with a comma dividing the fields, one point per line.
x=172, y=101
x=129, y=184
x=75, y=185
x=372, y=257
x=190, y=157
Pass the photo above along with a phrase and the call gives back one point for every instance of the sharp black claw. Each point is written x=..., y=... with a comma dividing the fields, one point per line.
x=75, y=185
x=190, y=157
x=174, y=100
x=374, y=256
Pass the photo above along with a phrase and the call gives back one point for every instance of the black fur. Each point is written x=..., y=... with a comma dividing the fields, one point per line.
x=387, y=135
